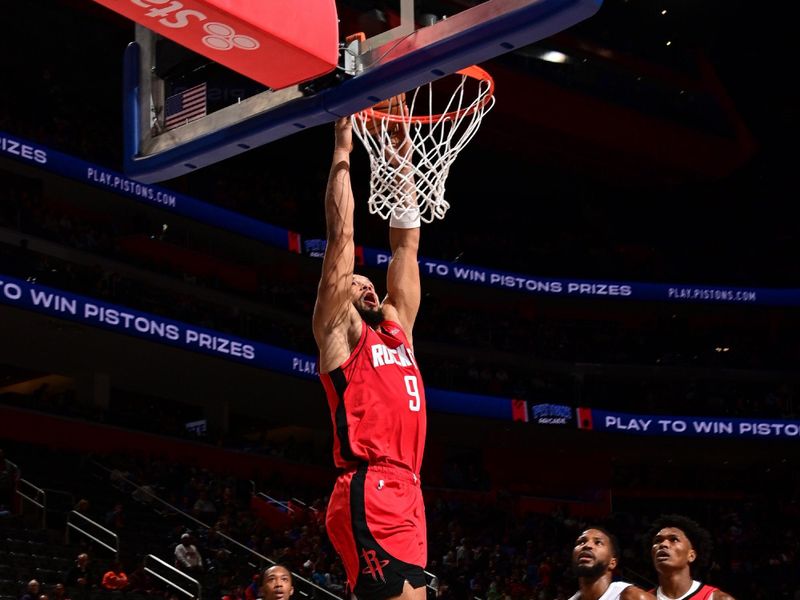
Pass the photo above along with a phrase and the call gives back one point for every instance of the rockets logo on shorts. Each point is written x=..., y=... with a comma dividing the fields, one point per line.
x=374, y=566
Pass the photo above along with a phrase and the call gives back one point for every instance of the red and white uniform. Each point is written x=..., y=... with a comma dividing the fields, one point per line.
x=697, y=591
x=377, y=402
x=376, y=518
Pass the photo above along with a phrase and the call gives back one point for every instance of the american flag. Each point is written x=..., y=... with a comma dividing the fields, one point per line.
x=187, y=106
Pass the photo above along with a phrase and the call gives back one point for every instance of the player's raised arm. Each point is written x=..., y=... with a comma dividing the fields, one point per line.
x=402, y=279
x=332, y=311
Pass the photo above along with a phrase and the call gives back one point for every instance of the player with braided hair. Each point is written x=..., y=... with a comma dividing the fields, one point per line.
x=680, y=548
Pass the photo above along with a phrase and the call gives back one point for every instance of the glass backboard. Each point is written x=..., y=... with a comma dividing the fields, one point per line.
x=222, y=112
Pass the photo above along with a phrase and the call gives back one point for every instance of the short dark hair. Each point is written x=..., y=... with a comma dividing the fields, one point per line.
x=612, y=539
x=697, y=535
x=288, y=570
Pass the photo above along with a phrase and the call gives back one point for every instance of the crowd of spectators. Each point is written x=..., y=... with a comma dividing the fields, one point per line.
x=277, y=526
x=486, y=549
x=480, y=546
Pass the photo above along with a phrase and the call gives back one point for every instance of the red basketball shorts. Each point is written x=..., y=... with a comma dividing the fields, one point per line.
x=376, y=522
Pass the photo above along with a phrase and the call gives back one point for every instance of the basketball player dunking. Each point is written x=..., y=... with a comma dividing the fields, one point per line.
x=376, y=517
x=594, y=559
x=679, y=547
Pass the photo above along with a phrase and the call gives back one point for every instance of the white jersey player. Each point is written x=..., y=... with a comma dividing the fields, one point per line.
x=594, y=559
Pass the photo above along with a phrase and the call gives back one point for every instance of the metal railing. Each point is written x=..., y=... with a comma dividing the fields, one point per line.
x=59, y=501
x=78, y=522
x=431, y=583
x=30, y=493
x=270, y=500
x=168, y=572
x=15, y=467
x=34, y=495
x=303, y=504
x=308, y=589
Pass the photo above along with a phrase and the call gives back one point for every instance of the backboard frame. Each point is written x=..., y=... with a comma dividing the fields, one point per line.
x=394, y=61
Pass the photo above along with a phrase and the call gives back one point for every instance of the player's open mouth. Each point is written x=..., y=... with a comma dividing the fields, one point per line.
x=585, y=556
x=371, y=300
x=662, y=555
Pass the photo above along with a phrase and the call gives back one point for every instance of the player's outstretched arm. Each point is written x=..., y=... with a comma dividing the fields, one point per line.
x=332, y=311
x=402, y=280
x=720, y=595
x=634, y=593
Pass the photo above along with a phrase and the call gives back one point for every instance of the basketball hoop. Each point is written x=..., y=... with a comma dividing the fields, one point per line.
x=437, y=132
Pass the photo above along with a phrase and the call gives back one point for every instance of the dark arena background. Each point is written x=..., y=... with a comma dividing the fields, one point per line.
x=609, y=328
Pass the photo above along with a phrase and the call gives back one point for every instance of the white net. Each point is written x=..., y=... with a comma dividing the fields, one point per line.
x=401, y=181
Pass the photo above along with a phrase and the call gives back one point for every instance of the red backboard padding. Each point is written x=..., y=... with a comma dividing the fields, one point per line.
x=275, y=42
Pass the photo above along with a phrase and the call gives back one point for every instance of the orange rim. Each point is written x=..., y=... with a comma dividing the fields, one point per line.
x=475, y=72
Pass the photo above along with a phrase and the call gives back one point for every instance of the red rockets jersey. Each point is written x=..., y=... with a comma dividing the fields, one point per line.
x=705, y=592
x=702, y=593
x=377, y=402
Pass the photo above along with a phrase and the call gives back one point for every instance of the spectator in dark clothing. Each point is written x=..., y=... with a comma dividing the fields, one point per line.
x=139, y=580
x=59, y=592
x=82, y=507
x=79, y=578
x=32, y=591
x=115, y=518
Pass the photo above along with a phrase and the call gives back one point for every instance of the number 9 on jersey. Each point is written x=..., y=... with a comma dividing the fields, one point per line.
x=412, y=387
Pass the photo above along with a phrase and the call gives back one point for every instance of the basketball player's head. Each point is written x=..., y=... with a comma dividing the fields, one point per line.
x=366, y=301
x=277, y=584
x=595, y=553
x=678, y=543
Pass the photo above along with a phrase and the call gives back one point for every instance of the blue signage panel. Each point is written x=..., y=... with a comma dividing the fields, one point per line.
x=552, y=414
x=473, y=405
x=585, y=288
x=713, y=427
x=120, y=319
x=97, y=313
x=100, y=177
x=91, y=174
